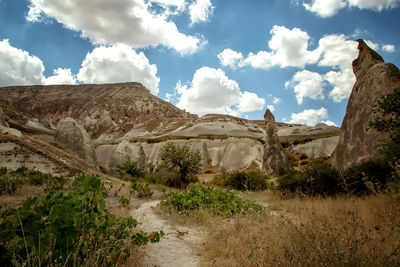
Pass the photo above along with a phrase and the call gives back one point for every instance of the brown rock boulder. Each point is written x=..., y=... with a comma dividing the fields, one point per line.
x=274, y=156
x=374, y=79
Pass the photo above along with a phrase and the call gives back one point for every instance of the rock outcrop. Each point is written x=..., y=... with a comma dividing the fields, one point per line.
x=374, y=79
x=274, y=157
x=74, y=138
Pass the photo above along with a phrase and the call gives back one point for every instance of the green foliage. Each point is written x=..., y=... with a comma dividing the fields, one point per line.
x=10, y=181
x=124, y=200
x=198, y=197
x=318, y=179
x=389, y=122
x=181, y=160
x=246, y=180
x=130, y=170
x=68, y=228
x=367, y=177
x=141, y=190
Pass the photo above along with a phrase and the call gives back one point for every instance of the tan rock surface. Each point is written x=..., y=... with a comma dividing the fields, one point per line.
x=375, y=79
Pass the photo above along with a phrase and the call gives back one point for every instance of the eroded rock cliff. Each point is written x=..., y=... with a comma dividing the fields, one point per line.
x=374, y=79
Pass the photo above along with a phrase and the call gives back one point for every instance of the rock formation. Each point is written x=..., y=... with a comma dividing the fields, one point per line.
x=274, y=157
x=117, y=122
x=73, y=138
x=374, y=79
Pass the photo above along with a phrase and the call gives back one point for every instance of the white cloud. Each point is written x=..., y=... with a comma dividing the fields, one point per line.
x=289, y=48
x=377, y=5
x=276, y=100
x=61, y=76
x=342, y=82
x=306, y=84
x=118, y=63
x=131, y=22
x=309, y=116
x=271, y=108
x=328, y=8
x=200, y=11
x=389, y=48
x=171, y=7
x=211, y=91
x=329, y=123
x=337, y=51
x=230, y=58
x=325, y=8
x=17, y=67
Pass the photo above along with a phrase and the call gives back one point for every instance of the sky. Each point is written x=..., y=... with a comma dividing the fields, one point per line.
x=205, y=56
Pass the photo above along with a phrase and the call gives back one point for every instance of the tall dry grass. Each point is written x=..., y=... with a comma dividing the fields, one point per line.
x=311, y=232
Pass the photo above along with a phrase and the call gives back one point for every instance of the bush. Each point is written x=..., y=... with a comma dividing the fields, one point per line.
x=318, y=179
x=70, y=228
x=141, y=190
x=168, y=178
x=129, y=170
x=246, y=180
x=198, y=197
x=181, y=160
x=367, y=177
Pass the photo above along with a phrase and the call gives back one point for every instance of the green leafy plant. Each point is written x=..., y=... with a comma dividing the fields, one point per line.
x=141, y=190
x=198, y=197
x=124, y=200
x=246, y=180
x=181, y=160
x=68, y=228
x=318, y=179
x=130, y=170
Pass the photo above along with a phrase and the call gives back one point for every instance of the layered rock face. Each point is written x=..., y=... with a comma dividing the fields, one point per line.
x=374, y=79
x=74, y=138
x=100, y=108
x=109, y=124
x=274, y=157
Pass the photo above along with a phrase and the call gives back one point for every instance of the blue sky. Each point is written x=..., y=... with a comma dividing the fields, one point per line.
x=206, y=56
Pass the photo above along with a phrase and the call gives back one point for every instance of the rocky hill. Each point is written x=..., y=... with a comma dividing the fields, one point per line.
x=108, y=124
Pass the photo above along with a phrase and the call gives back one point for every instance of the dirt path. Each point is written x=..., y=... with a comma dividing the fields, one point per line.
x=173, y=249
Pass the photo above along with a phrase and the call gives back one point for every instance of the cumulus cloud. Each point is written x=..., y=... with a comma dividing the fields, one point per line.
x=119, y=63
x=329, y=123
x=342, y=83
x=325, y=8
x=309, y=116
x=200, y=11
x=306, y=84
x=18, y=67
x=230, y=58
x=389, y=48
x=276, y=100
x=131, y=22
x=289, y=48
x=61, y=76
x=328, y=8
x=211, y=91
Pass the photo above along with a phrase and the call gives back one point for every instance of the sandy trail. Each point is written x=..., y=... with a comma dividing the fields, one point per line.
x=173, y=249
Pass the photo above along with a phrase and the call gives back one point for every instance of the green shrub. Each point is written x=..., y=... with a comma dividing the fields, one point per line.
x=141, y=190
x=367, y=177
x=9, y=184
x=318, y=179
x=169, y=178
x=68, y=228
x=179, y=159
x=246, y=180
x=124, y=200
x=130, y=170
x=198, y=197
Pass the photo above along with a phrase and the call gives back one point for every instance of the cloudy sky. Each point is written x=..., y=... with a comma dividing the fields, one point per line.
x=206, y=56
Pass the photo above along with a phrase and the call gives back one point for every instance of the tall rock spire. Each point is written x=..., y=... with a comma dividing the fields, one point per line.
x=274, y=156
x=374, y=79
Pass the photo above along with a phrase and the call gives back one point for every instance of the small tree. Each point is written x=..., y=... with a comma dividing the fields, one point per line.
x=181, y=159
x=389, y=122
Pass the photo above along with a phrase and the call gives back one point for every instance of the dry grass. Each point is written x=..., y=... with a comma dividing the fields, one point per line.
x=314, y=232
